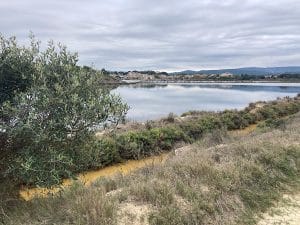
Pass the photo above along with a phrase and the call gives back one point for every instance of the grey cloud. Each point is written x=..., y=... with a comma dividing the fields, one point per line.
x=163, y=34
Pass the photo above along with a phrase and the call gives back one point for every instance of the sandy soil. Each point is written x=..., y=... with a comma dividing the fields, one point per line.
x=257, y=106
x=133, y=213
x=286, y=212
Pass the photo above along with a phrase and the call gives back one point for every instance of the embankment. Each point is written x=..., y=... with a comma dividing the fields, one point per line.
x=222, y=179
x=157, y=137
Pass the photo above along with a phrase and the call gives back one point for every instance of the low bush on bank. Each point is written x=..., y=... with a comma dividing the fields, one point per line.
x=134, y=145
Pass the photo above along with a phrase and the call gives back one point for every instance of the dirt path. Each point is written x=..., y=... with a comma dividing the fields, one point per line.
x=286, y=212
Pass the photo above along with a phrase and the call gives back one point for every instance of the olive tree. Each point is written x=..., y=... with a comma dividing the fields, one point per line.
x=50, y=123
x=16, y=67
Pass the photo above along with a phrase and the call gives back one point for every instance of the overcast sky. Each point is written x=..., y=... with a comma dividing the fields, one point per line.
x=166, y=35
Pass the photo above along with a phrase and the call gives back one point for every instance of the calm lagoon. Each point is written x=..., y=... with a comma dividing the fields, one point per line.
x=153, y=101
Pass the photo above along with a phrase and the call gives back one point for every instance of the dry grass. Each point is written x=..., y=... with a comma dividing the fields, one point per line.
x=219, y=180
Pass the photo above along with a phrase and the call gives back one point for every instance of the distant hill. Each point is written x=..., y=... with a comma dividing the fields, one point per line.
x=259, y=71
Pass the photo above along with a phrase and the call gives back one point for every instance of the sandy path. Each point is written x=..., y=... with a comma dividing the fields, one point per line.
x=286, y=212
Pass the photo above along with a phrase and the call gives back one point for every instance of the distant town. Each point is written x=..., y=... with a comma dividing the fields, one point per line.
x=193, y=76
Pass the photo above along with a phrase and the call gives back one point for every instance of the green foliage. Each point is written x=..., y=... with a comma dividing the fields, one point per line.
x=274, y=123
x=97, y=154
x=135, y=145
x=235, y=119
x=16, y=67
x=195, y=129
x=248, y=118
x=47, y=126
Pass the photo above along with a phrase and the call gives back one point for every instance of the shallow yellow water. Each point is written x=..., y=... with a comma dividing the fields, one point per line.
x=89, y=177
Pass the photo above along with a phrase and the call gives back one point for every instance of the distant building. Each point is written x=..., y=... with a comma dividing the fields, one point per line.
x=226, y=75
x=139, y=76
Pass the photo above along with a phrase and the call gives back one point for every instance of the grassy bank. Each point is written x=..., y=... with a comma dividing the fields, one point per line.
x=154, y=138
x=221, y=179
x=161, y=136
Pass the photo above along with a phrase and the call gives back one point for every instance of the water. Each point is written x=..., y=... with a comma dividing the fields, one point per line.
x=90, y=177
x=153, y=101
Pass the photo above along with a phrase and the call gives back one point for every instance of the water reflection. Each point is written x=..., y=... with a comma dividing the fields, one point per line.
x=157, y=100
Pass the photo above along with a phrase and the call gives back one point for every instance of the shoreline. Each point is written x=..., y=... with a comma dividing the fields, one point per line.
x=124, y=168
x=130, y=82
x=166, y=135
x=218, y=172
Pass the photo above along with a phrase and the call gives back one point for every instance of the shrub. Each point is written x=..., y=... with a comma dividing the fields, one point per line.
x=16, y=68
x=138, y=144
x=235, y=119
x=192, y=129
x=249, y=118
x=170, y=135
x=96, y=154
x=275, y=123
x=46, y=126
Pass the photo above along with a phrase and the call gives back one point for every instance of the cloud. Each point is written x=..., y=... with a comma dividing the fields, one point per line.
x=163, y=34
